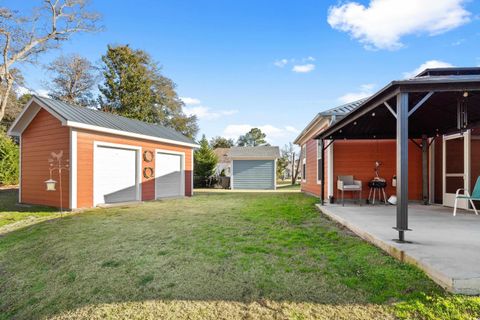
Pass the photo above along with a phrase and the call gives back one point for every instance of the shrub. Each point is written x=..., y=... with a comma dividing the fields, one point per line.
x=9, y=158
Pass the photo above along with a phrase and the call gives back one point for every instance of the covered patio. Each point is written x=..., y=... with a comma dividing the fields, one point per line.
x=444, y=246
x=439, y=112
x=437, y=108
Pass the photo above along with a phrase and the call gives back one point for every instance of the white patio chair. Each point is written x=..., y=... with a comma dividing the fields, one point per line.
x=475, y=196
x=348, y=183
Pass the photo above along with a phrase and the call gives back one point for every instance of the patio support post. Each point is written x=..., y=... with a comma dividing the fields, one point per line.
x=402, y=165
x=321, y=147
x=425, y=169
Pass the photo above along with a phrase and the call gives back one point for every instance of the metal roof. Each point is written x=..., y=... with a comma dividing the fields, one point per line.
x=254, y=152
x=343, y=109
x=110, y=121
x=337, y=112
x=437, y=116
x=449, y=71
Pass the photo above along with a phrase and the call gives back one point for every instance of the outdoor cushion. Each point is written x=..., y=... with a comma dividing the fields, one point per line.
x=351, y=187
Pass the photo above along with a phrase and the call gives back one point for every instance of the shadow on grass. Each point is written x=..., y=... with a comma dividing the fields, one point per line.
x=253, y=254
x=9, y=203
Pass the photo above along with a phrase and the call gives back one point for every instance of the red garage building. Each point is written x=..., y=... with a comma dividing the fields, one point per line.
x=110, y=158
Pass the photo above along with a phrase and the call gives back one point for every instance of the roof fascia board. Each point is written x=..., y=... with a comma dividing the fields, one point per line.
x=128, y=134
x=14, y=131
x=312, y=129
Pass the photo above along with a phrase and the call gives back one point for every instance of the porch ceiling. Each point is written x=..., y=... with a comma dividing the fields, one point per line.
x=437, y=115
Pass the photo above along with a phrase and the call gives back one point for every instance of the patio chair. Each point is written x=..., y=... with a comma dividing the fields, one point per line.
x=348, y=183
x=475, y=196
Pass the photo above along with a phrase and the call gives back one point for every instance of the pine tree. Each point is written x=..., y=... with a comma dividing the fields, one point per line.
x=205, y=161
x=135, y=88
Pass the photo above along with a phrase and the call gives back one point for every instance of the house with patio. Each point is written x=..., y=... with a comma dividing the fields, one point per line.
x=417, y=140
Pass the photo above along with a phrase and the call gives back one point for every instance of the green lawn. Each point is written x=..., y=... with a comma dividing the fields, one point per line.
x=213, y=256
x=12, y=213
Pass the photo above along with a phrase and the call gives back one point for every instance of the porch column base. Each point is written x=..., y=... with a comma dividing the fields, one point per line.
x=401, y=235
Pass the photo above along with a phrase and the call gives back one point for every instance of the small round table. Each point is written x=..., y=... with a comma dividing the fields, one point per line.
x=377, y=185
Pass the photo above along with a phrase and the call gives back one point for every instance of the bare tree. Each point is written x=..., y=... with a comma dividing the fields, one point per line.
x=73, y=79
x=23, y=38
x=289, y=153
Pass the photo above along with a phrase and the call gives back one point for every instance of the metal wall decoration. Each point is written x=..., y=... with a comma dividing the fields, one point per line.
x=56, y=164
x=148, y=172
x=148, y=156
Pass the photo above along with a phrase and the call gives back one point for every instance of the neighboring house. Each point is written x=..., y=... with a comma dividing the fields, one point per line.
x=224, y=161
x=353, y=157
x=111, y=158
x=250, y=167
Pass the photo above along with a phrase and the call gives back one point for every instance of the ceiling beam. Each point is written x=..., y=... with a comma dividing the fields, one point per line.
x=420, y=103
x=390, y=109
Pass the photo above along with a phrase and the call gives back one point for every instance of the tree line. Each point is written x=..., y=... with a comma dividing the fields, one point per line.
x=128, y=82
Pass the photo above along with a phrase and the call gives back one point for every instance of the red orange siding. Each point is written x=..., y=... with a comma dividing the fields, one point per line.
x=310, y=183
x=44, y=135
x=358, y=158
x=85, y=141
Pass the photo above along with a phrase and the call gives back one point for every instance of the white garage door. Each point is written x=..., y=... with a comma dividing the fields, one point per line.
x=115, y=175
x=168, y=175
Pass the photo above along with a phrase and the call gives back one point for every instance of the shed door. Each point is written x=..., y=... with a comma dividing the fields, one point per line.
x=254, y=174
x=115, y=175
x=168, y=175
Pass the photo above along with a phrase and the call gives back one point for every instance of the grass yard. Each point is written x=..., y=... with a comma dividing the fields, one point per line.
x=12, y=213
x=213, y=256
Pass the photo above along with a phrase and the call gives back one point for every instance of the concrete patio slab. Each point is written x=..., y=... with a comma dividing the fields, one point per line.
x=447, y=248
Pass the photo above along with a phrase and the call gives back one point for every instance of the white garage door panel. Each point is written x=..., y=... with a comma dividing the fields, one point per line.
x=168, y=175
x=115, y=175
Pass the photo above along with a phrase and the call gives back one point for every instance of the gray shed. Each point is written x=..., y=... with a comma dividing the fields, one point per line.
x=254, y=167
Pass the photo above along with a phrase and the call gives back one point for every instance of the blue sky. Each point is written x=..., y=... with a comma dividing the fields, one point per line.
x=275, y=64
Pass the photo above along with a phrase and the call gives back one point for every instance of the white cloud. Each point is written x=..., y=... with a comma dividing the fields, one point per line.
x=206, y=113
x=427, y=65
x=190, y=101
x=20, y=90
x=281, y=63
x=383, y=23
x=303, y=68
x=274, y=134
x=42, y=93
x=292, y=129
x=303, y=65
x=458, y=42
x=366, y=90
